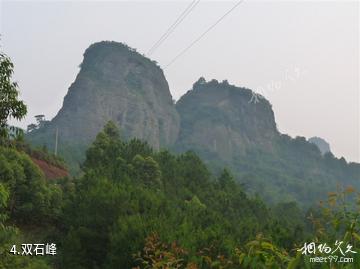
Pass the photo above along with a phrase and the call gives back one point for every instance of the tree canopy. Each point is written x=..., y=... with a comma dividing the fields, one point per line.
x=10, y=105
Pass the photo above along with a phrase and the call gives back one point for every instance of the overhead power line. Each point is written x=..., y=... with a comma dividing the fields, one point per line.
x=171, y=29
x=203, y=34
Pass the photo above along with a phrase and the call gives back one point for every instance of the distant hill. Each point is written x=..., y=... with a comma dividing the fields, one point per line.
x=226, y=125
x=323, y=146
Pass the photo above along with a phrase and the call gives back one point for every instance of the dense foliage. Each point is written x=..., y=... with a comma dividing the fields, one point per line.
x=143, y=207
x=137, y=208
x=10, y=105
x=27, y=201
x=128, y=191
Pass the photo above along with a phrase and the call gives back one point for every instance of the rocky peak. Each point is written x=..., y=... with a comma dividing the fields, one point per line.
x=114, y=83
x=224, y=119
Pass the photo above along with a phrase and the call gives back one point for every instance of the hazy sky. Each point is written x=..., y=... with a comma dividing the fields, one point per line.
x=303, y=56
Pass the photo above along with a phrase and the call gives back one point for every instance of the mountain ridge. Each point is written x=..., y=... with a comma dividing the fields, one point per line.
x=217, y=120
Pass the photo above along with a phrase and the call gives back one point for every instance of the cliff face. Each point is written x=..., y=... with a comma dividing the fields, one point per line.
x=114, y=83
x=223, y=119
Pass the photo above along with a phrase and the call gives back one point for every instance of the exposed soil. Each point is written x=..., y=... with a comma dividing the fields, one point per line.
x=50, y=171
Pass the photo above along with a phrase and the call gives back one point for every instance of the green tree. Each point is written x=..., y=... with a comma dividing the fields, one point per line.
x=31, y=198
x=146, y=170
x=10, y=105
x=9, y=235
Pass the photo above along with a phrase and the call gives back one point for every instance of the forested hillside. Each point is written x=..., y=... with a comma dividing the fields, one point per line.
x=129, y=192
x=139, y=208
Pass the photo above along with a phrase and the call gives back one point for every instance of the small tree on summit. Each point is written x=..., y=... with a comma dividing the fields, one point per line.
x=10, y=106
x=200, y=81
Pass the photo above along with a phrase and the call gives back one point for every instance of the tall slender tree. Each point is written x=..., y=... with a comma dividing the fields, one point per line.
x=10, y=105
